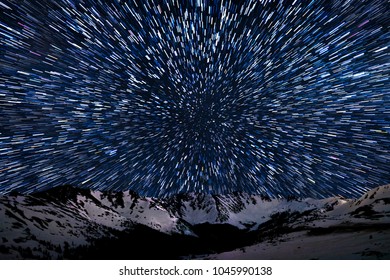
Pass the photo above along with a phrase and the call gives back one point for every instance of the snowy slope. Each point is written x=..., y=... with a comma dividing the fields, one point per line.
x=300, y=246
x=75, y=217
x=146, y=211
x=241, y=210
x=249, y=211
x=28, y=222
x=70, y=217
x=337, y=228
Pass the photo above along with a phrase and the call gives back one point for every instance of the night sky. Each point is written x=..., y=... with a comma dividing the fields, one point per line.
x=280, y=98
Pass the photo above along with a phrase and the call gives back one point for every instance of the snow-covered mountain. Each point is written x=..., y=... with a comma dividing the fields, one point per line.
x=54, y=222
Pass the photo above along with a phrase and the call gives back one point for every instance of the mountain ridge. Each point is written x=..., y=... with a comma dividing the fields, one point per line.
x=81, y=217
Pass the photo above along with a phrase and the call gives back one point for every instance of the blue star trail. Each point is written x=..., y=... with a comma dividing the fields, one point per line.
x=281, y=98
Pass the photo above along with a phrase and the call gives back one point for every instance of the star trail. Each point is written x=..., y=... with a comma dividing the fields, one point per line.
x=281, y=98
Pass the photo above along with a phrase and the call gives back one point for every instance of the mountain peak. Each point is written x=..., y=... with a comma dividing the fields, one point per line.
x=62, y=193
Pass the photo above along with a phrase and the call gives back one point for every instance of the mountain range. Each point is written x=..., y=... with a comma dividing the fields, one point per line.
x=72, y=223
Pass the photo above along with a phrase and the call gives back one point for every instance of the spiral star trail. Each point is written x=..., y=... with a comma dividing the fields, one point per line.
x=281, y=98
